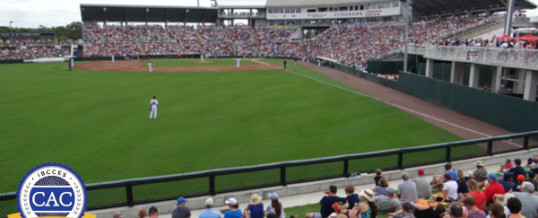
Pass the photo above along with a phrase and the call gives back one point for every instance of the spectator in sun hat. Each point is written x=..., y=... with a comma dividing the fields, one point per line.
x=182, y=211
x=274, y=210
x=368, y=208
x=254, y=208
x=424, y=189
x=208, y=212
x=234, y=211
x=480, y=174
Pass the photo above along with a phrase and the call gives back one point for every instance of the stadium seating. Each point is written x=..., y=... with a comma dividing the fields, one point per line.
x=350, y=44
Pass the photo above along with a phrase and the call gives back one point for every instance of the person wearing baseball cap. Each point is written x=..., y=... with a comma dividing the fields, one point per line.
x=493, y=188
x=182, y=211
x=424, y=189
x=275, y=209
x=234, y=211
x=208, y=212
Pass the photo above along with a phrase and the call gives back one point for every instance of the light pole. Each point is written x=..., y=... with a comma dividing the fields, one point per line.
x=10, y=28
x=407, y=15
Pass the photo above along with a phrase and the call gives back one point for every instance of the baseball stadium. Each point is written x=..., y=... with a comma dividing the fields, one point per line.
x=284, y=97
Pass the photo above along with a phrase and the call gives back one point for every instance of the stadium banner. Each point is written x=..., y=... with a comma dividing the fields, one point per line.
x=22, y=35
x=336, y=15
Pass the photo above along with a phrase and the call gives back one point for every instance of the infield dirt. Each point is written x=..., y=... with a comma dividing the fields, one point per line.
x=136, y=66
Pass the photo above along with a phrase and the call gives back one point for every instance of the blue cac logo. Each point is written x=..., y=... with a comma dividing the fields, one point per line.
x=51, y=190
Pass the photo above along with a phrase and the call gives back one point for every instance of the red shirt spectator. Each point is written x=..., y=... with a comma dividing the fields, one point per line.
x=493, y=188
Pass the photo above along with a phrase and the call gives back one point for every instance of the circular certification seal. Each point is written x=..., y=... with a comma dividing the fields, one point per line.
x=52, y=189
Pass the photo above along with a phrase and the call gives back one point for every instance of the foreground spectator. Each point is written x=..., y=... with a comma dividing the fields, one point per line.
x=407, y=190
x=118, y=214
x=514, y=205
x=517, y=169
x=182, y=211
x=423, y=185
x=326, y=204
x=529, y=201
x=234, y=211
x=408, y=210
x=345, y=210
x=377, y=176
x=472, y=210
x=462, y=183
x=456, y=210
x=450, y=189
x=493, y=188
x=208, y=212
x=142, y=212
x=389, y=203
x=153, y=212
x=254, y=208
x=381, y=189
x=368, y=208
x=479, y=196
x=496, y=211
x=507, y=182
x=480, y=174
x=351, y=196
x=275, y=210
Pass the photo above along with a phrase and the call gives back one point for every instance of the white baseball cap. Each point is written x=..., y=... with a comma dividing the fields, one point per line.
x=209, y=202
x=231, y=201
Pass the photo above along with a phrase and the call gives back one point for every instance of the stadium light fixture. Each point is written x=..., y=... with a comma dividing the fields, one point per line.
x=10, y=28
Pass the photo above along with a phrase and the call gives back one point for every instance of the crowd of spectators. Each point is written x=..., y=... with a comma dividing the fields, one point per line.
x=348, y=44
x=29, y=48
x=484, y=196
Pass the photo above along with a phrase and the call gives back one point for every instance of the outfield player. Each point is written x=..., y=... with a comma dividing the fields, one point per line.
x=153, y=103
x=150, y=68
x=113, y=59
x=238, y=62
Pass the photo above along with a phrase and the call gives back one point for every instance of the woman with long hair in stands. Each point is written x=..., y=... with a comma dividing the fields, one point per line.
x=368, y=208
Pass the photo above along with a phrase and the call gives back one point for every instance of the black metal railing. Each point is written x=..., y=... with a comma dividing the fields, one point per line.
x=488, y=146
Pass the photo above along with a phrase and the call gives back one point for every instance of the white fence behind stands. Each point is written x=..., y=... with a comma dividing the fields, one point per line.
x=514, y=58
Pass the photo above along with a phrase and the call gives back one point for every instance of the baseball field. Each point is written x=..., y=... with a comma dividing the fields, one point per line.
x=97, y=122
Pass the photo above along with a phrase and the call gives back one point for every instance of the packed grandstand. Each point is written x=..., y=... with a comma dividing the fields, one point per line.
x=349, y=44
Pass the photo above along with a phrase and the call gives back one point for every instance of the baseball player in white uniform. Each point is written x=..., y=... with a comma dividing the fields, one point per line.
x=153, y=108
x=238, y=62
x=150, y=68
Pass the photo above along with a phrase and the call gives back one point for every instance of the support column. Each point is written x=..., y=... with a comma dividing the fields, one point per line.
x=474, y=76
x=456, y=72
x=531, y=78
x=429, y=68
x=496, y=80
x=519, y=86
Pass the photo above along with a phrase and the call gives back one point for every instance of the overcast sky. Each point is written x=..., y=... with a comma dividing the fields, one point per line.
x=49, y=13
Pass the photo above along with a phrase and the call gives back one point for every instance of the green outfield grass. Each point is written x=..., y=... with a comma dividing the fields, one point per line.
x=97, y=123
x=196, y=62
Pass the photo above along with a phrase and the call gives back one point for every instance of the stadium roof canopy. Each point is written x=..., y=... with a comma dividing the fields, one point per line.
x=122, y=13
x=421, y=8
